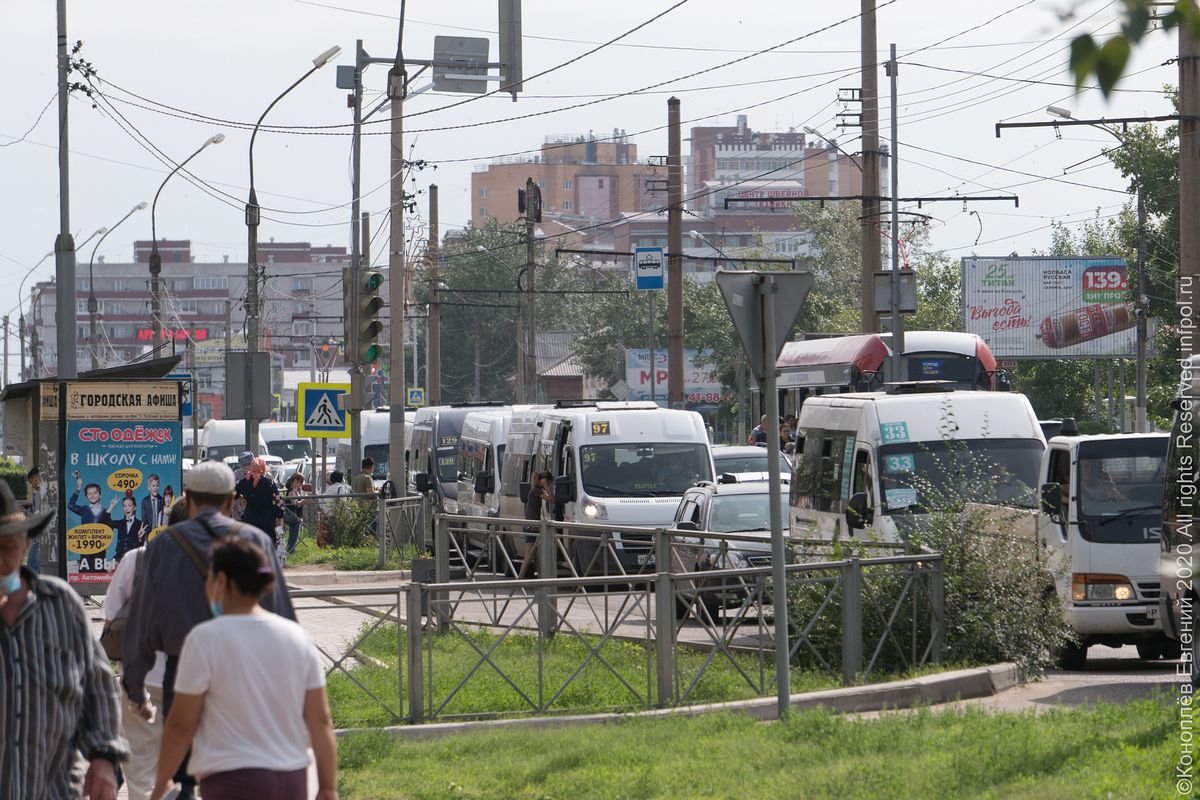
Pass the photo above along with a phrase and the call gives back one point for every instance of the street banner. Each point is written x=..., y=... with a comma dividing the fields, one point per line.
x=1050, y=307
x=702, y=390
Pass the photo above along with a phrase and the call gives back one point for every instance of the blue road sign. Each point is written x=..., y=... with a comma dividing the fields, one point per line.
x=416, y=397
x=319, y=414
x=648, y=267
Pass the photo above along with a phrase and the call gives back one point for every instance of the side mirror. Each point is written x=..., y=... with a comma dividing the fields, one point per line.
x=858, y=513
x=422, y=482
x=524, y=492
x=1052, y=501
x=686, y=526
x=728, y=477
x=484, y=482
x=564, y=489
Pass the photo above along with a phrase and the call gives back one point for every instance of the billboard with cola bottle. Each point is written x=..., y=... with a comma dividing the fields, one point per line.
x=1043, y=307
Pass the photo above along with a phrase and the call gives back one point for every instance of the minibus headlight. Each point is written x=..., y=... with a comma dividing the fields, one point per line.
x=1094, y=586
x=451, y=506
x=593, y=510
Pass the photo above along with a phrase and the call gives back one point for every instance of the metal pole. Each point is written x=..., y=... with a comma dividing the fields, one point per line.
x=870, y=168
x=6, y=350
x=852, y=649
x=1141, y=304
x=64, y=244
x=312, y=378
x=1121, y=371
x=741, y=382
x=356, y=371
x=398, y=273
x=675, y=383
x=653, y=368
x=1111, y=410
x=783, y=677
x=433, y=332
x=899, y=364
x=533, y=212
x=1189, y=179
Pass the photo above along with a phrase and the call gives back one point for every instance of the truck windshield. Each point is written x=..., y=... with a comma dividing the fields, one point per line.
x=290, y=449
x=643, y=469
x=379, y=454
x=1119, y=483
x=983, y=470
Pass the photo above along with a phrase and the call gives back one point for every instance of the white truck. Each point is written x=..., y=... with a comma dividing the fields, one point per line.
x=1100, y=524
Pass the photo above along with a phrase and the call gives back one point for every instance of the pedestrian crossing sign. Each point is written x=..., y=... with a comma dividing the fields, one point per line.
x=319, y=414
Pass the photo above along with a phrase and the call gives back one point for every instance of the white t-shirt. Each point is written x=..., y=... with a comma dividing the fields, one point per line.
x=119, y=592
x=256, y=670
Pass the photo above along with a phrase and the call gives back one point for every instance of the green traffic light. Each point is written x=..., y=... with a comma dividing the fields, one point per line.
x=373, y=281
x=371, y=353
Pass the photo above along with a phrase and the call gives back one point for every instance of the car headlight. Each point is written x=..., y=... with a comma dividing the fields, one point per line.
x=451, y=506
x=1093, y=586
x=593, y=510
x=730, y=559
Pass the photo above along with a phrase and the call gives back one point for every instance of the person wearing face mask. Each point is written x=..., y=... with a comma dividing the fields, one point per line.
x=250, y=693
x=60, y=710
x=171, y=599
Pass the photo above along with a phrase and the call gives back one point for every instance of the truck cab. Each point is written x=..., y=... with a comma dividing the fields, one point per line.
x=1100, y=526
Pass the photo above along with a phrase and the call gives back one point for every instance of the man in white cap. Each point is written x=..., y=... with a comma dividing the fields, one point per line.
x=59, y=703
x=169, y=599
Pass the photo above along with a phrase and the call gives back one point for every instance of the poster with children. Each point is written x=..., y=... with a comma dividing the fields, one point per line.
x=120, y=477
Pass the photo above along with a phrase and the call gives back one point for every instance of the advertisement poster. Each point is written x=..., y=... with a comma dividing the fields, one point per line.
x=1050, y=307
x=700, y=384
x=121, y=471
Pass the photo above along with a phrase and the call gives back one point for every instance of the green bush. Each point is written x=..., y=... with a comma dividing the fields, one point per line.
x=15, y=477
x=348, y=523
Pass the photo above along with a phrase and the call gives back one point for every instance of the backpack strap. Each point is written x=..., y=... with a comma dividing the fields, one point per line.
x=191, y=551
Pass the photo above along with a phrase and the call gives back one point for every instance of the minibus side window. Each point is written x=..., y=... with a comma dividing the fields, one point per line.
x=830, y=466
x=804, y=484
x=862, y=476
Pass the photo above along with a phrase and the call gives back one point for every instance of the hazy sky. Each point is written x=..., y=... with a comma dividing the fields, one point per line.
x=174, y=74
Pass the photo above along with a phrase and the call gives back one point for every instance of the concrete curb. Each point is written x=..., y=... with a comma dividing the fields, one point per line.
x=961, y=684
x=346, y=577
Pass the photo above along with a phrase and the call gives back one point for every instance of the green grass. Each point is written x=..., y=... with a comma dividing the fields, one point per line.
x=595, y=689
x=1104, y=752
x=348, y=558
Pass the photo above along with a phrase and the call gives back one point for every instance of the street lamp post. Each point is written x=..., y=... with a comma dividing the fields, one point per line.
x=93, y=306
x=156, y=259
x=1142, y=300
x=253, y=215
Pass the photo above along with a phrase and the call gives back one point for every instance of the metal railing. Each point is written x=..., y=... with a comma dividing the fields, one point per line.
x=858, y=614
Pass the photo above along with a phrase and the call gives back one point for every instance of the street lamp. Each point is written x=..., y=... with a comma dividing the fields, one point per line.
x=253, y=214
x=92, y=305
x=156, y=259
x=814, y=132
x=1143, y=301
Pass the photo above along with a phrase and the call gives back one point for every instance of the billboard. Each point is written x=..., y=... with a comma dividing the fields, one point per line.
x=1043, y=307
x=701, y=388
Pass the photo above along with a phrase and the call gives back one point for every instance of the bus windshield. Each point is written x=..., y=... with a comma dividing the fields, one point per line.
x=290, y=449
x=1119, y=483
x=379, y=454
x=985, y=470
x=643, y=469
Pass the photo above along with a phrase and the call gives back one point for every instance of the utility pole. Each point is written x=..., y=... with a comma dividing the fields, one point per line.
x=675, y=393
x=64, y=245
x=1189, y=183
x=433, y=333
x=533, y=215
x=871, y=261
x=1142, y=305
x=6, y=350
x=398, y=272
x=356, y=398
x=899, y=365
x=315, y=477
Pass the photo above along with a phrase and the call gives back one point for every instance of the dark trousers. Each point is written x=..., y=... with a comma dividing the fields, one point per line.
x=181, y=775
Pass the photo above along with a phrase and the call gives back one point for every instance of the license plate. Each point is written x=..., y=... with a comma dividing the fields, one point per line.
x=1152, y=612
x=648, y=558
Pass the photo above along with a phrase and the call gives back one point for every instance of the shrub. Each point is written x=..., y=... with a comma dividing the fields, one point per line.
x=347, y=523
x=15, y=477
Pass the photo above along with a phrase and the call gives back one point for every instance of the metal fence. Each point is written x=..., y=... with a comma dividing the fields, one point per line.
x=689, y=630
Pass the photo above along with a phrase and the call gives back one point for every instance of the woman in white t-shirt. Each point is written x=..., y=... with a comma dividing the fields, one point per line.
x=250, y=690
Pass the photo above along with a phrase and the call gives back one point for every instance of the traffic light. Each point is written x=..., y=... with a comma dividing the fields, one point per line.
x=367, y=348
x=361, y=306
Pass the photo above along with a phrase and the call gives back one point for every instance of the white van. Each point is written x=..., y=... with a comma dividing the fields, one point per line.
x=222, y=438
x=1101, y=522
x=284, y=441
x=868, y=452
x=433, y=451
x=481, y=448
x=625, y=463
x=376, y=427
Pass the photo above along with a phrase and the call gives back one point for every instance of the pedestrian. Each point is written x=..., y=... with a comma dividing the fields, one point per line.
x=364, y=483
x=264, y=505
x=294, y=507
x=245, y=459
x=250, y=693
x=759, y=434
x=335, y=485
x=539, y=491
x=34, y=506
x=170, y=598
x=60, y=712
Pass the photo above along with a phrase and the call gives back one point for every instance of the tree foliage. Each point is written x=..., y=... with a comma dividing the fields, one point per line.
x=1108, y=61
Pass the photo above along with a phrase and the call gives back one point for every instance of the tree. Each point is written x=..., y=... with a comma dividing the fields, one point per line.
x=1108, y=61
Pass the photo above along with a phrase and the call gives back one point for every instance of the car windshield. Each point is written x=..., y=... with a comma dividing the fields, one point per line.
x=744, y=512
x=985, y=470
x=1119, y=484
x=222, y=452
x=378, y=453
x=752, y=463
x=643, y=469
x=290, y=449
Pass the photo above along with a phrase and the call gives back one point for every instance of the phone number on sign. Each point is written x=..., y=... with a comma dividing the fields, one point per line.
x=705, y=397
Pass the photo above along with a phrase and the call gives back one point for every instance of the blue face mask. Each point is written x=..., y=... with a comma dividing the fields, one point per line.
x=10, y=583
x=216, y=608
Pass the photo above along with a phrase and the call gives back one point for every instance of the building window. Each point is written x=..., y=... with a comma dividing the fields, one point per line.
x=187, y=306
x=81, y=307
x=541, y=184
x=300, y=309
x=301, y=329
x=566, y=205
x=114, y=308
x=208, y=282
x=84, y=285
x=179, y=286
x=483, y=192
x=600, y=183
x=205, y=379
x=178, y=258
x=567, y=186
x=118, y=286
x=301, y=284
x=83, y=333
x=483, y=212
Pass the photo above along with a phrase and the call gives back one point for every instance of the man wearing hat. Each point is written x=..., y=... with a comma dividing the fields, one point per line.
x=170, y=599
x=59, y=703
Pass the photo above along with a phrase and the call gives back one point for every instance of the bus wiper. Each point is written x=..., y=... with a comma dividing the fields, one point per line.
x=616, y=492
x=1129, y=512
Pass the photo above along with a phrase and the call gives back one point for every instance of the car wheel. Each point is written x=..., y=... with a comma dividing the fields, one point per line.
x=1072, y=657
x=682, y=609
x=1172, y=649
x=1151, y=650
